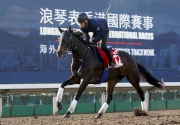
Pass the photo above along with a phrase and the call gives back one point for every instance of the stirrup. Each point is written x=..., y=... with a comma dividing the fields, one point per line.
x=111, y=65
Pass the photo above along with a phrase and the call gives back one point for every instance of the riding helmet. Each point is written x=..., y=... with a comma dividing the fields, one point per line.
x=82, y=17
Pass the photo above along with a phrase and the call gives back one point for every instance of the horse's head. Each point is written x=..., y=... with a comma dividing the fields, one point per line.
x=65, y=41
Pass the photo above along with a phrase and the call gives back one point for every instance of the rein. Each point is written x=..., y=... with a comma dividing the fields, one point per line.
x=83, y=61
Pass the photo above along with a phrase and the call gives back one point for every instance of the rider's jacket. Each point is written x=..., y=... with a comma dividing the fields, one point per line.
x=98, y=26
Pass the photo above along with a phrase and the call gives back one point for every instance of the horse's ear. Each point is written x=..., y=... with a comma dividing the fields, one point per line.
x=70, y=29
x=60, y=30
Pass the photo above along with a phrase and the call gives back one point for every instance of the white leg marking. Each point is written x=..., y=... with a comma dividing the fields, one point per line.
x=59, y=94
x=143, y=106
x=72, y=106
x=103, y=108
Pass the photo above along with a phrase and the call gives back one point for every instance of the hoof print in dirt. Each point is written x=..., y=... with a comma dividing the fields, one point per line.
x=139, y=112
x=35, y=117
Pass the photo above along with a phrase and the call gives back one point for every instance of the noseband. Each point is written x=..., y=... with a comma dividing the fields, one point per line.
x=70, y=47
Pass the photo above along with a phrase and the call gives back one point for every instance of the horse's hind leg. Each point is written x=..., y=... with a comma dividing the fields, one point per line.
x=134, y=80
x=109, y=92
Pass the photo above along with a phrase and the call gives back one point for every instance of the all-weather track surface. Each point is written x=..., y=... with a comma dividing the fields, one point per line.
x=161, y=117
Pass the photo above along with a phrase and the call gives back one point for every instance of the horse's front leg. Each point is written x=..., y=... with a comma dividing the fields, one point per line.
x=82, y=87
x=72, y=80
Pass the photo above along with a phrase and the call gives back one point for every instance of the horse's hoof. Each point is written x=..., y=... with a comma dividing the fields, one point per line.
x=59, y=106
x=67, y=115
x=98, y=116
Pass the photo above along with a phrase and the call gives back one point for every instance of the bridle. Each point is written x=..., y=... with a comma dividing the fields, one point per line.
x=70, y=47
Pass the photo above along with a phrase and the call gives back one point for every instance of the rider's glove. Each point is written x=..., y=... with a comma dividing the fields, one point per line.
x=91, y=43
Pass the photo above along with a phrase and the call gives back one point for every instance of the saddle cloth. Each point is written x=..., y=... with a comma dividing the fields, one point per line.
x=102, y=58
x=115, y=57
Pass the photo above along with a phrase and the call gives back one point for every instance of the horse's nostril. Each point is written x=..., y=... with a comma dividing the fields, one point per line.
x=59, y=53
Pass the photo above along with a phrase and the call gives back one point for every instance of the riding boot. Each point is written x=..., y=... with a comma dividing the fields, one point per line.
x=111, y=64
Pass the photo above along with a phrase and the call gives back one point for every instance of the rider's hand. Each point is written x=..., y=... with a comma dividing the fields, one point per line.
x=91, y=43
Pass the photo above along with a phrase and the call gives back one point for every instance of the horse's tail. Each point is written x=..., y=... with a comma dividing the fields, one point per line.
x=149, y=78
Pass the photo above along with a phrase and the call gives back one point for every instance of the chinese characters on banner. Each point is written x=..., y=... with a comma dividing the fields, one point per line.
x=119, y=21
x=44, y=49
x=114, y=20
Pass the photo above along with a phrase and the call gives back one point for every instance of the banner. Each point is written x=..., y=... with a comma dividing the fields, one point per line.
x=146, y=30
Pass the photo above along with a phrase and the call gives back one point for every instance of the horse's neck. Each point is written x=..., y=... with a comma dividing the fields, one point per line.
x=80, y=51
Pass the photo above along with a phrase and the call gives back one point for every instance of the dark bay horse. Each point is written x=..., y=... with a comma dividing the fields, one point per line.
x=86, y=70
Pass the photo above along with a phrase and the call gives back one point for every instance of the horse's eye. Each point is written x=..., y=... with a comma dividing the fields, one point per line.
x=67, y=39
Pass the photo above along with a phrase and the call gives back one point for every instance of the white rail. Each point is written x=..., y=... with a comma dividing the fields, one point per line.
x=53, y=88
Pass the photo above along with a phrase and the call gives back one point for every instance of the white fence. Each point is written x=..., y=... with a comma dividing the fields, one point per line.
x=53, y=88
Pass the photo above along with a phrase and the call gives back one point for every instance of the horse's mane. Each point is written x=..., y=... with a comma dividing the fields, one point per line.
x=80, y=35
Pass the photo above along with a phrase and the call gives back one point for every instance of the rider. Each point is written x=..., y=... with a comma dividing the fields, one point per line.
x=100, y=31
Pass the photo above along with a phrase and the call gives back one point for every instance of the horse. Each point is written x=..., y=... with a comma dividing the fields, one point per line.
x=86, y=70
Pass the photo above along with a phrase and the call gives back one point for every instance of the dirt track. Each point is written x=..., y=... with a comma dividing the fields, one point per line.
x=165, y=117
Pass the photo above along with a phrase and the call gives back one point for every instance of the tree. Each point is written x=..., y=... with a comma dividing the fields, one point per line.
x=24, y=98
x=38, y=97
x=47, y=99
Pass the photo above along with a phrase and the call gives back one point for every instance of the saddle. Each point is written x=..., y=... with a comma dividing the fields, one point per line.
x=102, y=58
